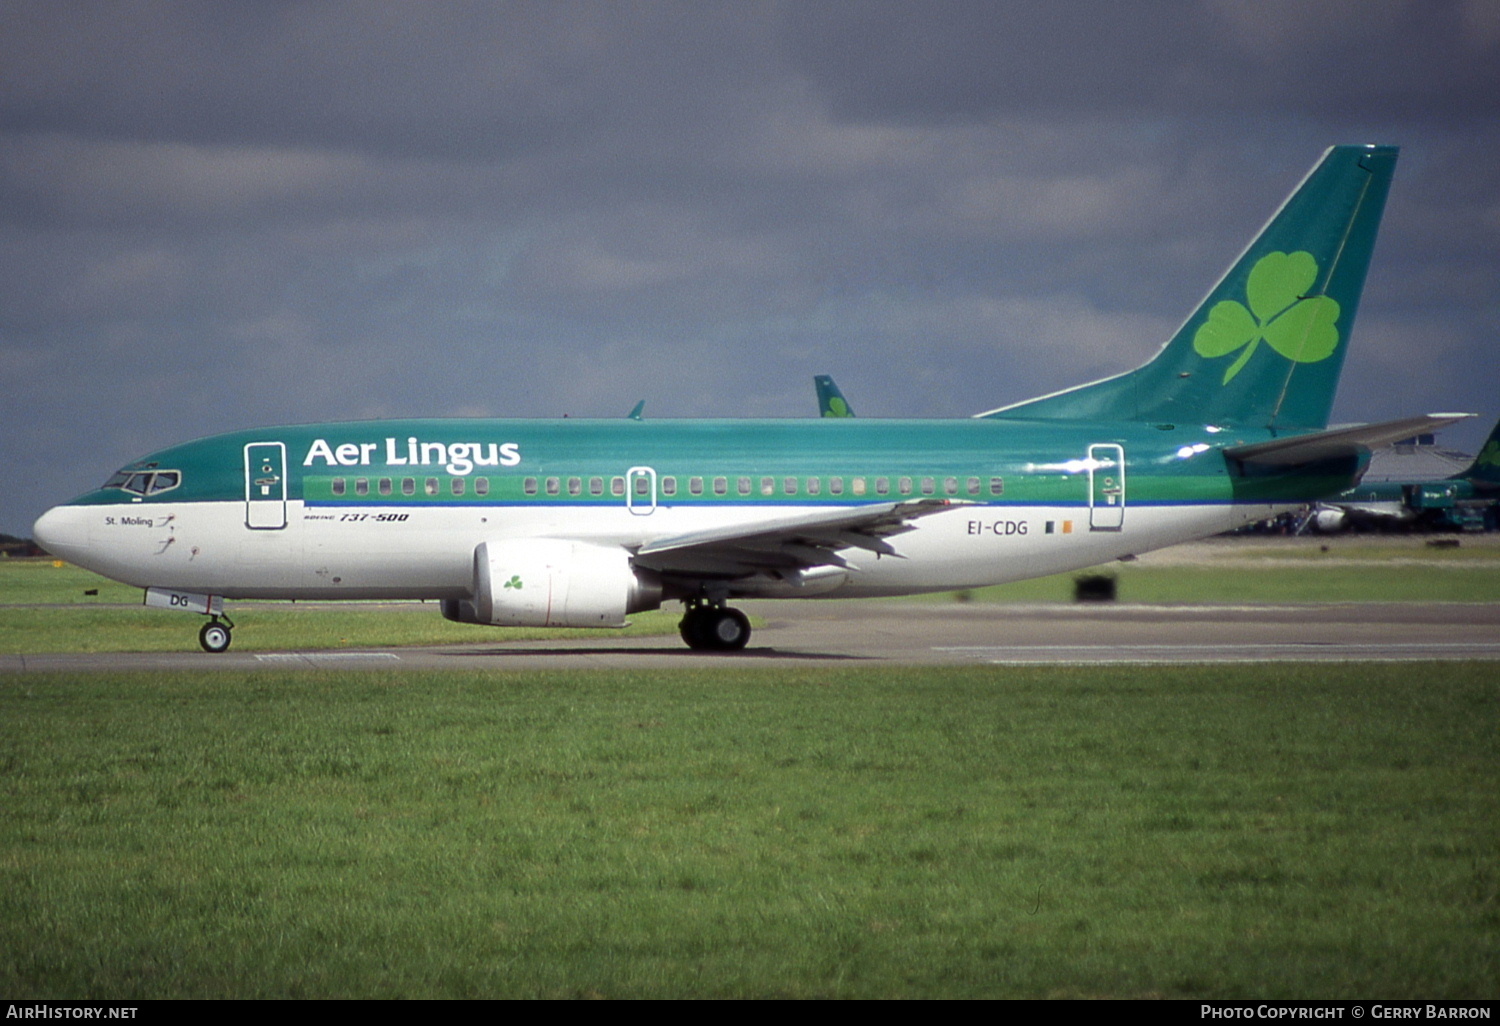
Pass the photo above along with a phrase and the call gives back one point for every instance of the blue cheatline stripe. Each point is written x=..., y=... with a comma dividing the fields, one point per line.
x=383, y=502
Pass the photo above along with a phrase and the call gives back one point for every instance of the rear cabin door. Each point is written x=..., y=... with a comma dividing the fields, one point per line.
x=265, y=486
x=1106, y=487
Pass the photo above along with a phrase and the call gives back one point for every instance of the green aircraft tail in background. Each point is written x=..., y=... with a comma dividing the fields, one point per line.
x=1486, y=466
x=831, y=402
x=1265, y=347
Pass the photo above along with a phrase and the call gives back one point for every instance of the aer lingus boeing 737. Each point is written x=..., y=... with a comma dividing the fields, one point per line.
x=583, y=522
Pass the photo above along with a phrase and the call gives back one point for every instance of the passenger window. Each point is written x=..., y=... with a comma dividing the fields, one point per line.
x=643, y=486
x=744, y=486
x=482, y=486
x=695, y=486
x=814, y=485
x=431, y=486
x=361, y=486
x=789, y=485
x=596, y=486
x=928, y=486
x=529, y=486
x=338, y=486
x=554, y=486
x=950, y=486
x=905, y=486
x=858, y=485
x=973, y=486
x=721, y=486
x=835, y=486
x=458, y=486
x=669, y=486
x=882, y=486
x=383, y=486
x=997, y=486
x=767, y=486
x=408, y=486
x=617, y=487
x=575, y=486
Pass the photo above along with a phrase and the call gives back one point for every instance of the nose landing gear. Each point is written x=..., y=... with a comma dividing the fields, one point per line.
x=215, y=635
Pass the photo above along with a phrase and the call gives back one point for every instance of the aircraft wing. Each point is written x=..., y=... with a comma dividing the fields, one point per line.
x=796, y=542
x=1348, y=441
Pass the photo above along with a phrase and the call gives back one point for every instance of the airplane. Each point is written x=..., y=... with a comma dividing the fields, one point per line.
x=1441, y=503
x=580, y=523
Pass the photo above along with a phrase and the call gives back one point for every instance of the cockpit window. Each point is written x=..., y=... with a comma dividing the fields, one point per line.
x=164, y=481
x=144, y=479
x=120, y=477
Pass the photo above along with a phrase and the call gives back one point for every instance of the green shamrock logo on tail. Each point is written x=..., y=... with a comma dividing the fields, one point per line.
x=1299, y=327
x=514, y=582
x=1489, y=456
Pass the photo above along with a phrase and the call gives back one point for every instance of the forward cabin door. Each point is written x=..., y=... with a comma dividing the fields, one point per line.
x=265, y=486
x=1106, y=487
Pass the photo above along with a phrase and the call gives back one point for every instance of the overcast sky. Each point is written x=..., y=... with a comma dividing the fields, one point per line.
x=224, y=215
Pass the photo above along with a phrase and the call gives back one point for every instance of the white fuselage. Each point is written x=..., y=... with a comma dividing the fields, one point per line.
x=376, y=552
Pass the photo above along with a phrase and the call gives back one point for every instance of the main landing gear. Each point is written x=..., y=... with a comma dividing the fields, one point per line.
x=714, y=628
x=215, y=635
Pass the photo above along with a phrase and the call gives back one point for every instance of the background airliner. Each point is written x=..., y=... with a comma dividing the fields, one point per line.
x=582, y=522
x=1451, y=502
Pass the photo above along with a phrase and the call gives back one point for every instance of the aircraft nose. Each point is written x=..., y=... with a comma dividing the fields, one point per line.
x=61, y=531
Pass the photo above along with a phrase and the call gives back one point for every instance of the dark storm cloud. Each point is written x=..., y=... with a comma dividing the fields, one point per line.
x=400, y=78
x=475, y=81
x=1433, y=61
x=217, y=215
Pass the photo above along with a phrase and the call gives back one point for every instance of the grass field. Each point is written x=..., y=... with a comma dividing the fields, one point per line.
x=1282, y=830
x=1081, y=832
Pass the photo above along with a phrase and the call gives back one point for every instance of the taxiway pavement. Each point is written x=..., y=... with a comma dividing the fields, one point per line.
x=906, y=633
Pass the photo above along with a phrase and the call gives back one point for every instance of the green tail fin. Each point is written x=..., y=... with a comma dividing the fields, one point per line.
x=1266, y=346
x=1486, y=466
x=831, y=402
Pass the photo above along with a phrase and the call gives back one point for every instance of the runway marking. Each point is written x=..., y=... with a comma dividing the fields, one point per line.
x=1308, y=651
x=327, y=657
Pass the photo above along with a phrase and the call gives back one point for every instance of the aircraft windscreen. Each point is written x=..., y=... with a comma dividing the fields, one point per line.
x=147, y=480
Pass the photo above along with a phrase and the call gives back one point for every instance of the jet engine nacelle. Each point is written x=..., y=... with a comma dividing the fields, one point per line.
x=549, y=582
x=1329, y=519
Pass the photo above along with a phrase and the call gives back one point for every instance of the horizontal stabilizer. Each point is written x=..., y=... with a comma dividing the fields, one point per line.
x=1338, y=442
